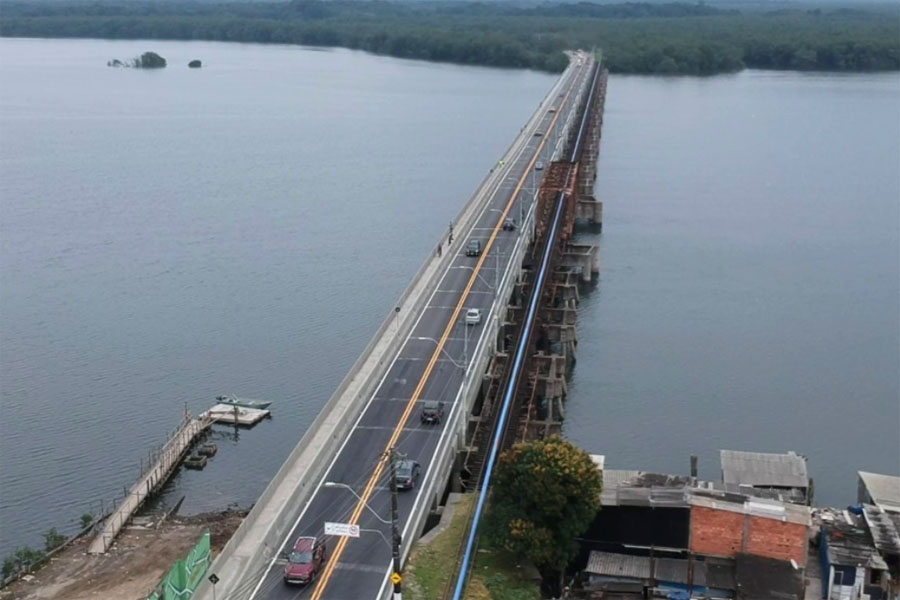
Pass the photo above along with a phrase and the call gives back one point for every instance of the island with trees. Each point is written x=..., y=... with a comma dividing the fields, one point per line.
x=147, y=60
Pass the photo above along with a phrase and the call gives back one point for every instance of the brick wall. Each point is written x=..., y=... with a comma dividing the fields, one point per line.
x=721, y=533
x=777, y=539
x=716, y=532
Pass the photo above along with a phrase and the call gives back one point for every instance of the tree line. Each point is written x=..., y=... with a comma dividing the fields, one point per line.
x=672, y=38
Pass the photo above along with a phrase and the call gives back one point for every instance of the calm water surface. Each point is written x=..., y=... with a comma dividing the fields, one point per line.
x=749, y=294
x=167, y=236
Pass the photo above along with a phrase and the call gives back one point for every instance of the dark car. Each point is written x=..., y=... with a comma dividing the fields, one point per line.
x=474, y=248
x=432, y=412
x=305, y=560
x=407, y=474
x=509, y=225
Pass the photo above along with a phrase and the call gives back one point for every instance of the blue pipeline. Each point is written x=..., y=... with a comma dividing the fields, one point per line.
x=520, y=355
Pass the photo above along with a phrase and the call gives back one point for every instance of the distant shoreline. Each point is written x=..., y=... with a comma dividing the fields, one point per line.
x=649, y=39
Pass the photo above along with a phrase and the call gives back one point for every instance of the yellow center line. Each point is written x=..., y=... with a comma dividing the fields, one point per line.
x=335, y=557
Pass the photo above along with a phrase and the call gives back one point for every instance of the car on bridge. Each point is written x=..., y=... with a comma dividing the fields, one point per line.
x=474, y=248
x=509, y=225
x=407, y=474
x=304, y=561
x=432, y=412
x=473, y=316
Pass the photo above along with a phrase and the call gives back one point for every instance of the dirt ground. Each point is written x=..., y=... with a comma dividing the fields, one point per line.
x=139, y=558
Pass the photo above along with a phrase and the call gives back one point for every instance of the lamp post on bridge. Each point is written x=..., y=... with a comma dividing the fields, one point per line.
x=396, y=578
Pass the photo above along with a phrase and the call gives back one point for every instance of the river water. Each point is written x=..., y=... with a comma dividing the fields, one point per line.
x=172, y=235
x=749, y=293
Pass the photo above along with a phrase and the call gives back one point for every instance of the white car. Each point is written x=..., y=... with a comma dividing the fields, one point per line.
x=473, y=316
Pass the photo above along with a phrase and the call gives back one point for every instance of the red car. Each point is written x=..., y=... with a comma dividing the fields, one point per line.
x=305, y=560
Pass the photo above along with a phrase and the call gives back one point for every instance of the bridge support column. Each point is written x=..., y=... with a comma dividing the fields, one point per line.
x=583, y=257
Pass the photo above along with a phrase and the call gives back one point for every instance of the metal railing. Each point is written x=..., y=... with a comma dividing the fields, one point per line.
x=522, y=346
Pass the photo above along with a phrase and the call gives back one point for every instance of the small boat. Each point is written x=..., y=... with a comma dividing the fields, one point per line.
x=244, y=402
x=207, y=449
x=195, y=461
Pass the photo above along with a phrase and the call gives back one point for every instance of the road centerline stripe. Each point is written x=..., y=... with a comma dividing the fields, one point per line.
x=335, y=556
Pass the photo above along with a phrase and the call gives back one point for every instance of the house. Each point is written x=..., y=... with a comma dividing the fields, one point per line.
x=852, y=566
x=676, y=534
x=764, y=471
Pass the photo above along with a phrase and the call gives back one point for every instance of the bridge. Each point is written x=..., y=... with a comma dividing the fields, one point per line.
x=424, y=351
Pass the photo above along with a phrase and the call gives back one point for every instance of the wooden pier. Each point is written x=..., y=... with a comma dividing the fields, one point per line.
x=164, y=463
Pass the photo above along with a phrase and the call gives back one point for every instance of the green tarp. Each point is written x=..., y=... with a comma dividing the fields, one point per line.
x=186, y=574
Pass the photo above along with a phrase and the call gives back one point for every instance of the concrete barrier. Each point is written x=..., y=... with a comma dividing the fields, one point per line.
x=443, y=458
x=253, y=545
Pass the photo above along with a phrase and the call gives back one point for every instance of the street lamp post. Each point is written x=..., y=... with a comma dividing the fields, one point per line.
x=335, y=484
x=395, y=531
x=394, y=522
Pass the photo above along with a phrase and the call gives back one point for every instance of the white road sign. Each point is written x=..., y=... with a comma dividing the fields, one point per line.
x=342, y=529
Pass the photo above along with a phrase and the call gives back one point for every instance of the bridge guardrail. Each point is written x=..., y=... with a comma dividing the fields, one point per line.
x=438, y=473
x=296, y=478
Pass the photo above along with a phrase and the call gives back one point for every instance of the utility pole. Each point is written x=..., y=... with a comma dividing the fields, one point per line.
x=395, y=576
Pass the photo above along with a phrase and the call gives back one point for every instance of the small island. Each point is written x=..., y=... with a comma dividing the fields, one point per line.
x=195, y=64
x=147, y=60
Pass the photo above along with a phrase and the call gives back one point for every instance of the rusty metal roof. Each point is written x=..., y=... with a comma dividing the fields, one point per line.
x=884, y=527
x=849, y=541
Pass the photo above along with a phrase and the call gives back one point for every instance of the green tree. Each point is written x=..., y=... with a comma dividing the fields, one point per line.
x=20, y=560
x=545, y=495
x=52, y=539
x=86, y=519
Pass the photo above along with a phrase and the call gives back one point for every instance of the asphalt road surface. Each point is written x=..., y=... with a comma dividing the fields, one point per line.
x=364, y=565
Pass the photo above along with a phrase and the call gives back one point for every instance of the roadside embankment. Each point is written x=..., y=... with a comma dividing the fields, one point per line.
x=135, y=563
x=496, y=574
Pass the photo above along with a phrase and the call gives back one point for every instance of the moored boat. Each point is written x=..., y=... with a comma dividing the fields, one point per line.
x=244, y=402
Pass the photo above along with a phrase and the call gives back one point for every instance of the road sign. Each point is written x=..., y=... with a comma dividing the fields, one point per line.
x=395, y=578
x=214, y=579
x=342, y=529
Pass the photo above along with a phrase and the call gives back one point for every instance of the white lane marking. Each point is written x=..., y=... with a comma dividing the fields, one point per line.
x=488, y=202
x=456, y=403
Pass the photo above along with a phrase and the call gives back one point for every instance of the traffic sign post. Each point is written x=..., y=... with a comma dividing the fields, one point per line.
x=213, y=578
x=342, y=529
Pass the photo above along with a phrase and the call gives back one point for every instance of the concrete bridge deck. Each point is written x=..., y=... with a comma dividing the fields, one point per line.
x=423, y=351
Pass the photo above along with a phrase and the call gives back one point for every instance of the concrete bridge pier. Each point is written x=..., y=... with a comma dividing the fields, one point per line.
x=582, y=257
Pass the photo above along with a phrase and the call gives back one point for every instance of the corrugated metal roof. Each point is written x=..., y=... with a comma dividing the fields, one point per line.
x=613, y=479
x=636, y=488
x=675, y=570
x=883, y=489
x=764, y=469
x=884, y=527
x=618, y=565
x=720, y=575
x=849, y=542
